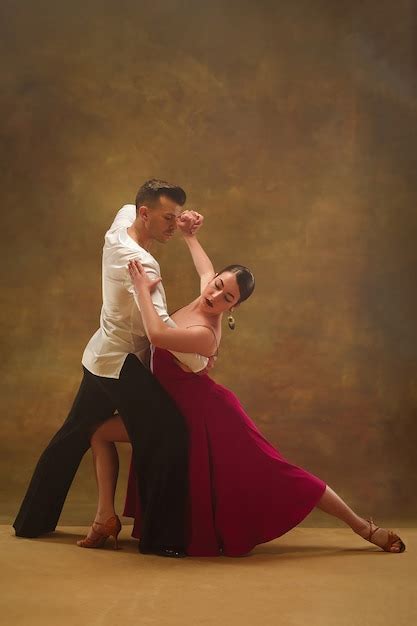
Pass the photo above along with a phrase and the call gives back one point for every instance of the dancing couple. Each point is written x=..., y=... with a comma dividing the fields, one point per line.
x=203, y=480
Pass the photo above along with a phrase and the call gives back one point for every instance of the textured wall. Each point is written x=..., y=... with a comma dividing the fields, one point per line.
x=292, y=125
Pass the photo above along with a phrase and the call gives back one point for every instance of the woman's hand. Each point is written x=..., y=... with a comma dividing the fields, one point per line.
x=140, y=278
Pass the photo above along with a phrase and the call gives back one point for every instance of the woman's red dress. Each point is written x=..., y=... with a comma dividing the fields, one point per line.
x=242, y=491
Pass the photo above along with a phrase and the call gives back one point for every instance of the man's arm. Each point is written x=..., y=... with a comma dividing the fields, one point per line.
x=158, y=294
x=125, y=217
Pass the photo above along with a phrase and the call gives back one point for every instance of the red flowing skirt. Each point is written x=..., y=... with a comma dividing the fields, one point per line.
x=242, y=491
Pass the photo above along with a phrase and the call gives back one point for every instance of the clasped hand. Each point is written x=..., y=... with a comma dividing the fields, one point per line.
x=189, y=222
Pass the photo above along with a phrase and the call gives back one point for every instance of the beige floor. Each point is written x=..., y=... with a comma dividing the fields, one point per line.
x=309, y=577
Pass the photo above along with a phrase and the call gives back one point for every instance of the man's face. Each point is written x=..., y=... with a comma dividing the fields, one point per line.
x=161, y=221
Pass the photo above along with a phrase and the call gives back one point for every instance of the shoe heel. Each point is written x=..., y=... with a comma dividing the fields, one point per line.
x=116, y=542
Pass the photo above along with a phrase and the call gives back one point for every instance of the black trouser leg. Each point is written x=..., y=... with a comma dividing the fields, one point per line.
x=159, y=440
x=56, y=468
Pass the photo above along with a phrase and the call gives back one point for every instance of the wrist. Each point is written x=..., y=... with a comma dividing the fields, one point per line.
x=140, y=289
x=187, y=237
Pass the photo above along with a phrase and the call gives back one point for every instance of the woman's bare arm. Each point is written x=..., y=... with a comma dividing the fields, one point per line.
x=202, y=262
x=196, y=339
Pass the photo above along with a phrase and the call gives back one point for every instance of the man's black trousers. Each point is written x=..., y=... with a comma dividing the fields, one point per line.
x=159, y=440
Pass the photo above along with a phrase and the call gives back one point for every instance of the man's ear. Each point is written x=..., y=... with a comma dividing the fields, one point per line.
x=143, y=213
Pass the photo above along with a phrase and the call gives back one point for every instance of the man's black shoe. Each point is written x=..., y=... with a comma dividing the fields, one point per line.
x=172, y=553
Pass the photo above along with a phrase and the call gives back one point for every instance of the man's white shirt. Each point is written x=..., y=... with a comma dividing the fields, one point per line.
x=121, y=328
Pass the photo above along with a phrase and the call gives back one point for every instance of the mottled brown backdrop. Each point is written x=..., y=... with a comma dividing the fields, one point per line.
x=292, y=125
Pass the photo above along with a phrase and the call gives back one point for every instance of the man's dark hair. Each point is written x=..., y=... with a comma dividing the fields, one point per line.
x=152, y=190
x=244, y=278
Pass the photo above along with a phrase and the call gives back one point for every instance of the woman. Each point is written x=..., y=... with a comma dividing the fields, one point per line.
x=242, y=491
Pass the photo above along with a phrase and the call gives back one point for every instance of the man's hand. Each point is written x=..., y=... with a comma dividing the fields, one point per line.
x=209, y=366
x=189, y=222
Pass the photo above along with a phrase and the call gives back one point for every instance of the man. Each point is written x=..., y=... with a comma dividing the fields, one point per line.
x=115, y=377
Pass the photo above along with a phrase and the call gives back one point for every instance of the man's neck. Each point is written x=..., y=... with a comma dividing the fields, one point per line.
x=140, y=235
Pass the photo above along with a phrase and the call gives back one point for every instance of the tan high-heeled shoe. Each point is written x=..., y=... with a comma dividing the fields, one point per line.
x=110, y=528
x=392, y=537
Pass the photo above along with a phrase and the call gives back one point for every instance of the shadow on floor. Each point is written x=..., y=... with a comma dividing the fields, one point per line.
x=260, y=554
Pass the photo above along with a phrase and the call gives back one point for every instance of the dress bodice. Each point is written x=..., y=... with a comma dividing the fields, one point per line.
x=194, y=361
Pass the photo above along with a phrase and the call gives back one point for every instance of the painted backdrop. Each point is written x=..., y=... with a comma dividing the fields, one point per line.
x=292, y=126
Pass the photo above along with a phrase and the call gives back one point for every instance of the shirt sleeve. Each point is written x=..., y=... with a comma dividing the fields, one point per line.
x=157, y=296
x=125, y=217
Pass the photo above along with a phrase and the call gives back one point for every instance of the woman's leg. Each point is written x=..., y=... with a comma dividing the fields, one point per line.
x=106, y=463
x=106, y=466
x=332, y=504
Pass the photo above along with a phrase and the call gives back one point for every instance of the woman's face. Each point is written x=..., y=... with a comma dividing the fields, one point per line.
x=221, y=294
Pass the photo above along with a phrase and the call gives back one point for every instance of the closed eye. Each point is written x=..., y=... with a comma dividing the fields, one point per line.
x=219, y=285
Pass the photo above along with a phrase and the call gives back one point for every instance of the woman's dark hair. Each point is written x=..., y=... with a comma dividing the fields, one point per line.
x=151, y=191
x=244, y=278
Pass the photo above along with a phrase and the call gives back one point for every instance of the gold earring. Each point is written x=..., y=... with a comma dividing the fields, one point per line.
x=231, y=321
